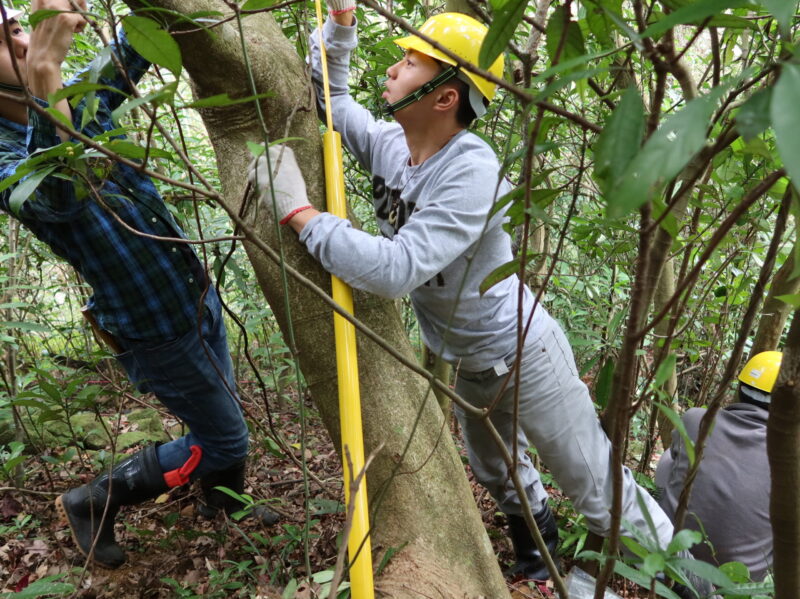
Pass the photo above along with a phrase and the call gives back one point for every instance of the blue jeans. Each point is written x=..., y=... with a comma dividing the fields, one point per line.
x=197, y=387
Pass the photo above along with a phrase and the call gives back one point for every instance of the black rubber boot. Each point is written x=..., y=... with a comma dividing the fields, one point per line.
x=90, y=509
x=215, y=500
x=530, y=563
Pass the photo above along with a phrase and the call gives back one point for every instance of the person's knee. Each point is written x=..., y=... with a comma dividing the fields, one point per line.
x=237, y=450
x=221, y=456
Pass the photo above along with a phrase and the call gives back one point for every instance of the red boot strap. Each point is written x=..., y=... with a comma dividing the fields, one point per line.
x=180, y=476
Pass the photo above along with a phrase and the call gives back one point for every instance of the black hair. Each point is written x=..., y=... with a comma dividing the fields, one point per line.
x=464, y=115
x=745, y=398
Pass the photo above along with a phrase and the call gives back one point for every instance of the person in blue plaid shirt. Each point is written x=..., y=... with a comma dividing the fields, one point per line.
x=152, y=302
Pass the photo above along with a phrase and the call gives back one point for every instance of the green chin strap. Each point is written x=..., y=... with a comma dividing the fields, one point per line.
x=426, y=88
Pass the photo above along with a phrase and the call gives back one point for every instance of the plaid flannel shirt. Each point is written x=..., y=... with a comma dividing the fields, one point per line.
x=143, y=289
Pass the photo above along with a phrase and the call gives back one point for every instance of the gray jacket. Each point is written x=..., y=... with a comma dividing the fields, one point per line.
x=730, y=496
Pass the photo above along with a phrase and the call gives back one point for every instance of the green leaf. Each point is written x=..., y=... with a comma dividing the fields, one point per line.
x=255, y=149
x=786, y=119
x=620, y=139
x=704, y=570
x=604, y=384
x=647, y=517
x=783, y=11
x=41, y=15
x=25, y=326
x=225, y=100
x=653, y=564
x=503, y=272
x=499, y=205
x=634, y=547
x=676, y=421
x=752, y=117
x=257, y=4
x=27, y=188
x=732, y=22
x=793, y=300
x=615, y=15
x=664, y=155
x=683, y=540
x=665, y=370
x=150, y=40
x=128, y=149
x=601, y=26
x=693, y=13
x=163, y=95
x=669, y=223
x=42, y=587
x=639, y=578
x=291, y=589
x=322, y=505
x=736, y=571
x=559, y=25
x=749, y=589
x=79, y=89
x=506, y=16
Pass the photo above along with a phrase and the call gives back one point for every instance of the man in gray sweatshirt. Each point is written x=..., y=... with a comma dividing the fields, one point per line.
x=434, y=187
x=730, y=496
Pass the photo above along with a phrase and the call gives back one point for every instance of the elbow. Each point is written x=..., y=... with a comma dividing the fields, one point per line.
x=394, y=289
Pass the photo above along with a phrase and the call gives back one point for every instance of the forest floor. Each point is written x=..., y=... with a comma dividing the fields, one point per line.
x=173, y=552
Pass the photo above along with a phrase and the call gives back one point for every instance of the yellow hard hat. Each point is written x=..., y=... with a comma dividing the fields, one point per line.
x=463, y=36
x=761, y=371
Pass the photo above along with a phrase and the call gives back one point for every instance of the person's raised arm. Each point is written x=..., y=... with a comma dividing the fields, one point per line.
x=359, y=129
x=342, y=11
x=47, y=49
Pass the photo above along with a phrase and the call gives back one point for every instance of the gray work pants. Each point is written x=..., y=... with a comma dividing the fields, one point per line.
x=557, y=416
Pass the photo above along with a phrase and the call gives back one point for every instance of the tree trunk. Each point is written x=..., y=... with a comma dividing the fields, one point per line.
x=664, y=292
x=419, y=496
x=462, y=6
x=783, y=449
x=775, y=312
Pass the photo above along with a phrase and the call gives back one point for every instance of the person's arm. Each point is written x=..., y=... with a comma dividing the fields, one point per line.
x=47, y=49
x=434, y=236
x=54, y=198
x=429, y=242
x=359, y=129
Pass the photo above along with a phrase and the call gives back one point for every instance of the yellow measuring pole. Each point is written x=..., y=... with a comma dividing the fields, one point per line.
x=358, y=543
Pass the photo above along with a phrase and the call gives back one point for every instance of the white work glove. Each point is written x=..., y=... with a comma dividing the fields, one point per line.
x=338, y=7
x=287, y=181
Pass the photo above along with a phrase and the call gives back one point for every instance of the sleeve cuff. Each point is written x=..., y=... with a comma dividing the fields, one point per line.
x=333, y=32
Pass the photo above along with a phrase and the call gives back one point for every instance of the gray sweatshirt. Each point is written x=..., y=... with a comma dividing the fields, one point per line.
x=438, y=242
x=730, y=496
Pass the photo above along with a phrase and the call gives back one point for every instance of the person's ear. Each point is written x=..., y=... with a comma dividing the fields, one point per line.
x=447, y=98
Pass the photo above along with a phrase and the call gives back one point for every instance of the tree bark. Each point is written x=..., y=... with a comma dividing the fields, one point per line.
x=664, y=291
x=462, y=6
x=775, y=312
x=783, y=449
x=419, y=495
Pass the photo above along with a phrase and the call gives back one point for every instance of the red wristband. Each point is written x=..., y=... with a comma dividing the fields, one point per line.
x=343, y=10
x=289, y=216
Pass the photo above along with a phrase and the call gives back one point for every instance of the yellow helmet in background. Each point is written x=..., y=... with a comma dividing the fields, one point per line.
x=462, y=35
x=761, y=371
